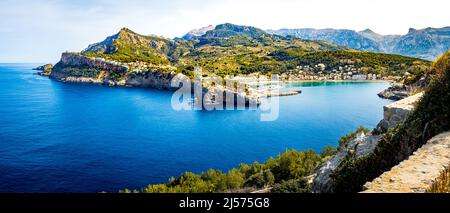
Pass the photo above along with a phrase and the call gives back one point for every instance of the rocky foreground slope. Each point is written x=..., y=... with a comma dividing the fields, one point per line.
x=364, y=144
x=349, y=170
x=419, y=171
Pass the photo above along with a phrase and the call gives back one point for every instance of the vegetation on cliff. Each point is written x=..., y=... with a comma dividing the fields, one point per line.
x=286, y=173
x=79, y=71
x=351, y=135
x=430, y=117
x=128, y=46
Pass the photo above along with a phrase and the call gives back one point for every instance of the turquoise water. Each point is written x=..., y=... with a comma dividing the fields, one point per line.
x=61, y=137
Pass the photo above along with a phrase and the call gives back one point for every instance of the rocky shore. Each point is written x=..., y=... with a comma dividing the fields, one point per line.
x=398, y=91
x=395, y=92
x=44, y=70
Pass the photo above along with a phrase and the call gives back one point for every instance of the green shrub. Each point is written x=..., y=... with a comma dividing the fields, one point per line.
x=292, y=186
x=288, y=165
x=350, y=136
x=328, y=151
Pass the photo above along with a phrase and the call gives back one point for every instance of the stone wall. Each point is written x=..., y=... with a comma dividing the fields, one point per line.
x=417, y=173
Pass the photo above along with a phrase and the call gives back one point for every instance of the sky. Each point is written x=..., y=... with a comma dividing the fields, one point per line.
x=40, y=30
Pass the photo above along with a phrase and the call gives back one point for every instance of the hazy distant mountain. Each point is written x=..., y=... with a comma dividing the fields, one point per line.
x=426, y=43
x=197, y=32
x=348, y=38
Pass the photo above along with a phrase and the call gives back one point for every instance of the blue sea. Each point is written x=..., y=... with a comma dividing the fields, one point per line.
x=64, y=137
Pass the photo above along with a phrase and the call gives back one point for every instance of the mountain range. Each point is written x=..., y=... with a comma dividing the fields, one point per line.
x=228, y=49
x=425, y=43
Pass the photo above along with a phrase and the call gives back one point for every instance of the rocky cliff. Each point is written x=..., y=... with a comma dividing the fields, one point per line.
x=364, y=144
x=397, y=112
x=77, y=68
x=74, y=67
x=430, y=117
x=358, y=147
x=395, y=92
x=44, y=70
x=78, y=60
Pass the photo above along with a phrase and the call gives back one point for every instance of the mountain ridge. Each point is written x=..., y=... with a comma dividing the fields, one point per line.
x=427, y=43
x=228, y=49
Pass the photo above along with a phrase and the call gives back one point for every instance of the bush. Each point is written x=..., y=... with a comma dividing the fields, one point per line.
x=328, y=151
x=289, y=165
x=350, y=136
x=260, y=180
x=292, y=186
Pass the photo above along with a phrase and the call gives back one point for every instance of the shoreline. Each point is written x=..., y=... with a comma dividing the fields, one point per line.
x=333, y=81
x=364, y=81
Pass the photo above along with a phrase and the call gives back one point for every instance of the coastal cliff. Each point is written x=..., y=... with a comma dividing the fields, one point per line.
x=74, y=67
x=77, y=68
x=362, y=143
x=397, y=112
x=227, y=50
x=429, y=118
x=44, y=70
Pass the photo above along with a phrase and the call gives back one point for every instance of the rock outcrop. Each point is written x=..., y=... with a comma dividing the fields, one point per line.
x=360, y=146
x=45, y=67
x=417, y=173
x=395, y=92
x=397, y=112
x=398, y=91
x=44, y=70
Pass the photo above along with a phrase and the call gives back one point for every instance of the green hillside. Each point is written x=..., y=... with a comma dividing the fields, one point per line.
x=234, y=49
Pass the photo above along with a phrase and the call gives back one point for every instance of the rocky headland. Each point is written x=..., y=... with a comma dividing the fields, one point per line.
x=76, y=68
x=44, y=70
